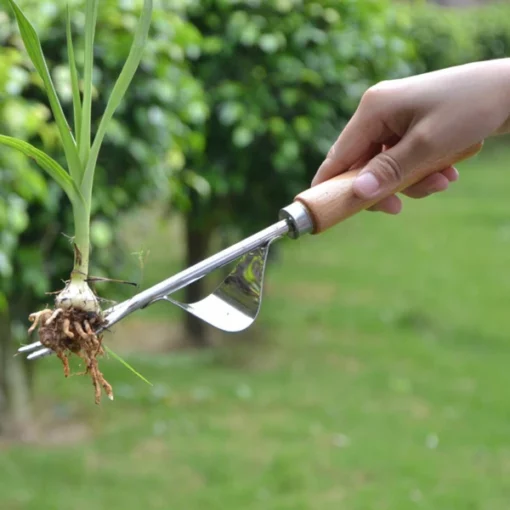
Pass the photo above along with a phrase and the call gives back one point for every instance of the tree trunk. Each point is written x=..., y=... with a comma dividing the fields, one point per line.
x=197, y=246
x=15, y=403
x=227, y=237
x=4, y=341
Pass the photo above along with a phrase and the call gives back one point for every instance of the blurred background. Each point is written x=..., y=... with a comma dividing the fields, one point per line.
x=377, y=374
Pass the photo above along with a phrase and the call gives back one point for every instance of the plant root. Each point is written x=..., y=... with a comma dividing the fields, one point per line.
x=69, y=332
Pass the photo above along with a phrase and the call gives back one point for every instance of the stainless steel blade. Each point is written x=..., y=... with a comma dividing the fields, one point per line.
x=235, y=303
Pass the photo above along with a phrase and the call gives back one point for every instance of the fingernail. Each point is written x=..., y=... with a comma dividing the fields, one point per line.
x=366, y=185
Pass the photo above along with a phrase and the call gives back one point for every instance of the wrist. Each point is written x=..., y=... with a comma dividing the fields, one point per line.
x=504, y=66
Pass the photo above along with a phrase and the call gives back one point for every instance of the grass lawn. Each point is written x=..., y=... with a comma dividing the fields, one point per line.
x=378, y=379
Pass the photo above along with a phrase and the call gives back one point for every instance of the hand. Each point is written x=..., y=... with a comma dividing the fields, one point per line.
x=400, y=124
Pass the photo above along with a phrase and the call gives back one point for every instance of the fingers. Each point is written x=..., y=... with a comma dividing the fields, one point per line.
x=388, y=205
x=389, y=169
x=434, y=183
x=451, y=173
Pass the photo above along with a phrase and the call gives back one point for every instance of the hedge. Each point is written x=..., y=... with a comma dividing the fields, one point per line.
x=445, y=37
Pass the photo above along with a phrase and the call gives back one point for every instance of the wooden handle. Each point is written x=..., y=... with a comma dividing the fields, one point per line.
x=333, y=201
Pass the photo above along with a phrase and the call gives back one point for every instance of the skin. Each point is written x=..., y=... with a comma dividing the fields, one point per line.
x=401, y=123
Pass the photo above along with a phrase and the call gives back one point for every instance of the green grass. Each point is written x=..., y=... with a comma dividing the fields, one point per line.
x=379, y=380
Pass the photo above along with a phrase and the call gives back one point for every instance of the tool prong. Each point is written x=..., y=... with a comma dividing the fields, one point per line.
x=41, y=353
x=30, y=347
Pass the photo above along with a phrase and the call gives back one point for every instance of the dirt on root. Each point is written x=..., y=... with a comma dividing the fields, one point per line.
x=69, y=332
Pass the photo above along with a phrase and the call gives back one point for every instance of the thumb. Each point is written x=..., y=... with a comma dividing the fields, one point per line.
x=387, y=171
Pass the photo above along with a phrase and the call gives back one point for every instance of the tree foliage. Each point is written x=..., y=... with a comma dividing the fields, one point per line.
x=446, y=37
x=282, y=78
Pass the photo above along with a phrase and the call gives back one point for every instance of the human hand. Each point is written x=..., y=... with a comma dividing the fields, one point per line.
x=403, y=124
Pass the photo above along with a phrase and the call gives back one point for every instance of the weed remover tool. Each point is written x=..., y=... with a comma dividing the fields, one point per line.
x=235, y=303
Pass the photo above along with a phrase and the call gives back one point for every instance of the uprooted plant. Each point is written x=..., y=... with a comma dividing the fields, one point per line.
x=69, y=327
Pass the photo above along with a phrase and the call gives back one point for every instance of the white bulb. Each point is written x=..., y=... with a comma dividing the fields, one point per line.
x=79, y=296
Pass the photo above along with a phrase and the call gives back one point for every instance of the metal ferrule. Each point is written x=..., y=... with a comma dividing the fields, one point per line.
x=299, y=219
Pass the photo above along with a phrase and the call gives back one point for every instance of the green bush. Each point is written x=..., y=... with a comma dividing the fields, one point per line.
x=446, y=37
x=493, y=31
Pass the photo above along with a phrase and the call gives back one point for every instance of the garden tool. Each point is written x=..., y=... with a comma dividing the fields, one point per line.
x=236, y=302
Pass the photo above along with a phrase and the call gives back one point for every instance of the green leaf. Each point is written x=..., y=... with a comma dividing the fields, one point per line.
x=46, y=163
x=74, y=81
x=120, y=88
x=34, y=50
x=90, y=31
x=125, y=363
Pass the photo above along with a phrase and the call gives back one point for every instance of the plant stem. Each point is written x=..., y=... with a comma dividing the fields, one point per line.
x=90, y=30
x=81, y=213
